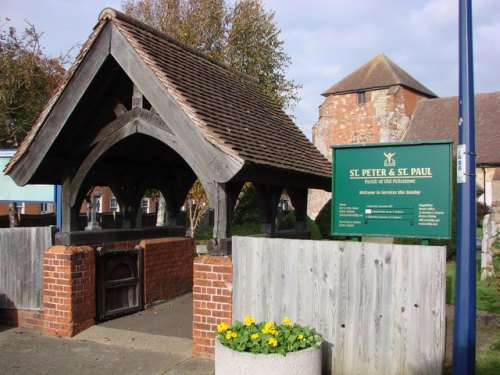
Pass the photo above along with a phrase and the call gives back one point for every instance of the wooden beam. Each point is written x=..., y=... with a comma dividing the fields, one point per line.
x=90, y=108
x=137, y=98
x=268, y=175
x=209, y=162
x=174, y=190
x=268, y=197
x=69, y=212
x=227, y=194
x=135, y=121
x=99, y=150
x=134, y=113
x=298, y=197
x=25, y=168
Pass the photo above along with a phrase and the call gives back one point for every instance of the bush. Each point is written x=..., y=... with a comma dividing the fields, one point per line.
x=246, y=229
x=247, y=211
x=324, y=220
x=288, y=222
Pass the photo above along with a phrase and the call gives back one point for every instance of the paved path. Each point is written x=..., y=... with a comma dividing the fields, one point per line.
x=137, y=345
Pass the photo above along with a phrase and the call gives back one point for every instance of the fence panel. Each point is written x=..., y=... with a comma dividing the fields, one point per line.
x=21, y=262
x=380, y=307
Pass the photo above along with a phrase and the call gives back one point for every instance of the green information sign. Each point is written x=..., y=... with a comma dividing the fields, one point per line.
x=392, y=189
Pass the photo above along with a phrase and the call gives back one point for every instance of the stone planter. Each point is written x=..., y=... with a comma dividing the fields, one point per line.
x=231, y=362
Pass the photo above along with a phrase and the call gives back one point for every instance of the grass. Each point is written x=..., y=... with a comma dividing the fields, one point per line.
x=488, y=362
x=487, y=299
x=487, y=291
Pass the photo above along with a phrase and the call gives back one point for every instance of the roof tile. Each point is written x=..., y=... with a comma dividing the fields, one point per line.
x=437, y=119
x=379, y=72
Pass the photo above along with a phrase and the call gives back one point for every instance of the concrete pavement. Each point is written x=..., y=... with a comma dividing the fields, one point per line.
x=150, y=342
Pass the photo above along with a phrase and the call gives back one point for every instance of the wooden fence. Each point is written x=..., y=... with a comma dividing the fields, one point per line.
x=21, y=261
x=380, y=307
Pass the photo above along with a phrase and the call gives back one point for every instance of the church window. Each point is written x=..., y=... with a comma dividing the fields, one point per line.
x=361, y=97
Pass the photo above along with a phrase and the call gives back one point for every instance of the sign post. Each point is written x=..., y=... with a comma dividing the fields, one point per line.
x=464, y=334
x=393, y=190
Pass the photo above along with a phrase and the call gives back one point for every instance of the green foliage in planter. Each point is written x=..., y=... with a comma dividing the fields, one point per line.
x=267, y=337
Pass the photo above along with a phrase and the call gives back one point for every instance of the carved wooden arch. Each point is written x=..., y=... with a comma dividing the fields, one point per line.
x=136, y=121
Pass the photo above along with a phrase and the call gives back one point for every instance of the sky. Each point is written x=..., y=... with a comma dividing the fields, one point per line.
x=325, y=39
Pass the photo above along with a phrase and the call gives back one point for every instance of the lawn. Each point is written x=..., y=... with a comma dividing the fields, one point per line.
x=488, y=362
x=487, y=299
x=487, y=291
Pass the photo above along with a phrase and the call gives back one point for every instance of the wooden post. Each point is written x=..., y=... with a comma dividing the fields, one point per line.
x=299, y=202
x=69, y=213
x=227, y=194
x=268, y=197
x=137, y=98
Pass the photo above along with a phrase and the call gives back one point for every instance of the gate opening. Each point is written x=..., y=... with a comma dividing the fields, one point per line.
x=119, y=282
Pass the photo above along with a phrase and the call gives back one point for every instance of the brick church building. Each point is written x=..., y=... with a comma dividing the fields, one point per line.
x=380, y=102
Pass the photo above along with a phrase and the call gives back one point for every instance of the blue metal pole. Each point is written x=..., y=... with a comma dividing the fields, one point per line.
x=464, y=340
x=58, y=207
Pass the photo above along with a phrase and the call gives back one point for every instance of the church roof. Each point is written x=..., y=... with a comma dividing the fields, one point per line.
x=437, y=119
x=227, y=108
x=379, y=72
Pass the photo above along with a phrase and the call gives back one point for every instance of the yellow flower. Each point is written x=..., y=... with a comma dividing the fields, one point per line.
x=268, y=327
x=222, y=327
x=249, y=320
x=255, y=336
x=234, y=335
x=274, y=332
x=300, y=337
x=287, y=322
x=273, y=342
x=229, y=334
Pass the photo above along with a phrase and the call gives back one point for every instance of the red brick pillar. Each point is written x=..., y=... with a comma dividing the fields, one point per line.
x=68, y=290
x=212, y=301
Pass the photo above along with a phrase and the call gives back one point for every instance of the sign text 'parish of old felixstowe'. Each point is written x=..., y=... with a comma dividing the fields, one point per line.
x=392, y=189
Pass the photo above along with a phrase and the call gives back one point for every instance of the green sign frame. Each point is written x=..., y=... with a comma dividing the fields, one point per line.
x=392, y=190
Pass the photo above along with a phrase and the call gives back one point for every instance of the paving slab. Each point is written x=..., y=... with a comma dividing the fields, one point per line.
x=138, y=344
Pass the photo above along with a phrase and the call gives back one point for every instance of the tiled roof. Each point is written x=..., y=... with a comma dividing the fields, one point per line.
x=437, y=119
x=379, y=72
x=228, y=108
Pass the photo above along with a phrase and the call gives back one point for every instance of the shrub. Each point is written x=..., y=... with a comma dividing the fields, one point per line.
x=288, y=222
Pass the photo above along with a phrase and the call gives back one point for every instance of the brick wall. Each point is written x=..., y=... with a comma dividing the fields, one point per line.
x=68, y=290
x=383, y=118
x=212, y=301
x=32, y=319
x=168, y=268
x=69, y=283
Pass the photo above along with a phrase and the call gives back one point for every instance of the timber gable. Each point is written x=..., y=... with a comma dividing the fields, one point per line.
x=140, y=110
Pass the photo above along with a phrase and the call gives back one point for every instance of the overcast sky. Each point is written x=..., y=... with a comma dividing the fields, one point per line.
x=326, y=39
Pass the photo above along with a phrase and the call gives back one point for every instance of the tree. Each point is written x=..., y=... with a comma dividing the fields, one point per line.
x=197, y=205
x=28, y=78
x=243, y=36
x=253, y=47
x=13, y=215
